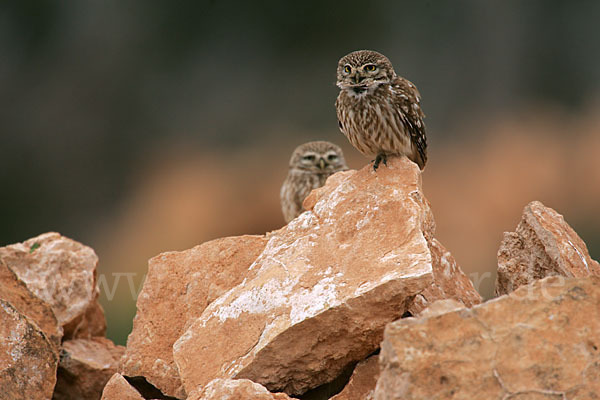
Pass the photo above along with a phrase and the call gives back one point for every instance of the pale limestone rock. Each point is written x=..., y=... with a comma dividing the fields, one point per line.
x=543, y=245
x=177, y=289
x=117, y=388
x=235, y=389
x=85, y=367
x=541, y=341
x=324, y=287
x=441, y=307
x=15, y=292
x=362, y=382
x=28, y=359
x=59, y=271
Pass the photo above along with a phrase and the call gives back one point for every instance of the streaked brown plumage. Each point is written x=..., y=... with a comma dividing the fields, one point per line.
x=379, y=111
x=310, y=166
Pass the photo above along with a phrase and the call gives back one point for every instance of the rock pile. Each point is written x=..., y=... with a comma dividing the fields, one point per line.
x=354, y=299
x=52, y=324
x=294, y=309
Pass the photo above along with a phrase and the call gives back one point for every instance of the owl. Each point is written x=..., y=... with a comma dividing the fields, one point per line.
x=310, y=166
x=378, y=111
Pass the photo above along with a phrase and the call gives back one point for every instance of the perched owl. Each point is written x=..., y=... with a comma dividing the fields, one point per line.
x=310, y=166
x=379, y=111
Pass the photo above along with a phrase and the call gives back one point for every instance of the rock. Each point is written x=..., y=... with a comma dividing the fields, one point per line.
x=543, y=245
x=15, y=292
x=28, y=359
x=324, y=288
x=91, y=324
x=118, y=388
x=449, y=282
x=177, y=289
x=59, y=271
x=234, y=389
x=85, y=367
x=362, y=382
x=537, y=342
x=441, y=307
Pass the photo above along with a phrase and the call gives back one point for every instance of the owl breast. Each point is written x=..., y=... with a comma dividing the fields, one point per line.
x=372, y=123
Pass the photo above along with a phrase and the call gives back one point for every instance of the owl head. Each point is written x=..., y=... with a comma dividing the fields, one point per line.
x=364, y=69
x=318, y=157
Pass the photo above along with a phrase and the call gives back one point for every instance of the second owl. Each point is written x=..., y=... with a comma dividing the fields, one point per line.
x=310, y=166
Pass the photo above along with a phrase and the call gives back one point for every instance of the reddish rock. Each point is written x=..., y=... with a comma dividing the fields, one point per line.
x=91, y=324
x=537, y=342
x=177, y=289
x=543, y=245
x=28, y=359
x=117, y=388
x=324, y=288
x=441, y=307
x=59, y=271
x=15, y=292
x=85, y=367
x=362, y=382
x=449, y=282
x=234, y=389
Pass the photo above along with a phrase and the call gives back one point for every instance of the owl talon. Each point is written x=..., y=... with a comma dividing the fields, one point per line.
x=378, y=160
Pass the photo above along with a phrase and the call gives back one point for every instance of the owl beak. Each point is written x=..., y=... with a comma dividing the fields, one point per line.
x=322, y=163
x=356, y=78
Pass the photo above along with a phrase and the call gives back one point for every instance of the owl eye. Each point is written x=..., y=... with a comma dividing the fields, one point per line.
x=347, y=69
x=332, y=157
x=309, y=157
x=370, y=67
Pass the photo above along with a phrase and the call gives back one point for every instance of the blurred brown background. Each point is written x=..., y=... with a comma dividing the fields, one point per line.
x=146, y=126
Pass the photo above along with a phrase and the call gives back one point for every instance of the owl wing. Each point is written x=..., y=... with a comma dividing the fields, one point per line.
x=407, y=101
x=338, y=111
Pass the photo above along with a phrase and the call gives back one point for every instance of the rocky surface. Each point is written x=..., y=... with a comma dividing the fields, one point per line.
x=85, y=367
x=178, y=287
x=49, y=297
x=302, y=309
x=28, y=359
x=449, y=282
x=441, y=307
x=117, y=388
x=324, y=287
x=542, y=245
x=362, y=382
x=91, y=324
x=230, y=389
x=59, y=271
x=15, y=292
x=538, y=342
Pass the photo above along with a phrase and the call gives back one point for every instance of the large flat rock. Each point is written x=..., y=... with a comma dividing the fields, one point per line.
x=542, y=341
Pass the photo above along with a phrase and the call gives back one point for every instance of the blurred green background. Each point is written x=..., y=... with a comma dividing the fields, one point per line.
x=138, y=127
